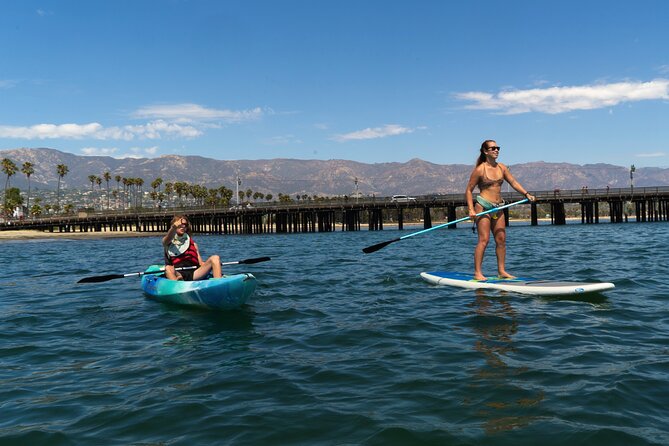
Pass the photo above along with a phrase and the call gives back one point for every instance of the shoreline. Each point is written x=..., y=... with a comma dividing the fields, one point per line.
x=26, y=234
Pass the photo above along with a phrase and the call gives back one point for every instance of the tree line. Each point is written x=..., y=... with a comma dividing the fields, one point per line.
x=163, y=194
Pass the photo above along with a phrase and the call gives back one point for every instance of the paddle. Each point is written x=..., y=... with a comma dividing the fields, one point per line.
x=374, y=248
x=105, y=278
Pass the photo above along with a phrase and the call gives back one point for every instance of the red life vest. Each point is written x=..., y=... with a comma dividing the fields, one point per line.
x=188, y=258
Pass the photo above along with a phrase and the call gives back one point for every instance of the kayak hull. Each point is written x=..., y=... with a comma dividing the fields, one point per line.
x=225, y=293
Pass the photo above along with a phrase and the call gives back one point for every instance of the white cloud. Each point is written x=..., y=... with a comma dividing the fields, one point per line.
x=651, y=155
x=99, y=151
x=151, y=130
x=374, y=133
x=7, y=83
x=282, y=140
x=134, y=152
x=194, y=112
x=556, y=100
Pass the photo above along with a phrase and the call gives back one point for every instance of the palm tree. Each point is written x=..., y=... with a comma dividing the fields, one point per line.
x=98, y=181
x=107, y=177
x=226, y=195
x=117, y=178
x=155, y=185
x=129, y=182
x=62, y=170
x=179, y=189
x=139, y=182
x=92, y=178
x=124, y=180
x=9, y=169
x=169, y=188
x=27, y=169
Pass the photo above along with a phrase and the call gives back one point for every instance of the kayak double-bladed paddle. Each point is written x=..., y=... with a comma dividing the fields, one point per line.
x=374, y=248
x=107, y=277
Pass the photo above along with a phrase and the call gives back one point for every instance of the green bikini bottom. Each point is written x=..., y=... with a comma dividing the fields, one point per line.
x=487, y=205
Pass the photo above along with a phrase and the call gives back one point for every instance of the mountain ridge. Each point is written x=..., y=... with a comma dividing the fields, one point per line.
x=315, y=177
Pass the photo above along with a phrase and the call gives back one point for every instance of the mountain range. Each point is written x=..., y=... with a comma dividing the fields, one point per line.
x=314, y=177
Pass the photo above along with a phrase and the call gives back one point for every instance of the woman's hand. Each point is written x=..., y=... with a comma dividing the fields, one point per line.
x=530, y=197
x=472, y=214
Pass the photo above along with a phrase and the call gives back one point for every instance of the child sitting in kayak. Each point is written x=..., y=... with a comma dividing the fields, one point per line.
x=181, y=250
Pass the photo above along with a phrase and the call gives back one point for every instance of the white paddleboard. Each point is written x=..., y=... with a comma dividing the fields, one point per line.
x=523, y=285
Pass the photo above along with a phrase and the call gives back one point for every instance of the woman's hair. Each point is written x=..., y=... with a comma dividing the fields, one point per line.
x=482, y=157
x=177, y=218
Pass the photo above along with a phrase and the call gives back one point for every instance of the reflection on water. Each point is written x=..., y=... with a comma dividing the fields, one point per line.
x=195, y=325
x=505, y=403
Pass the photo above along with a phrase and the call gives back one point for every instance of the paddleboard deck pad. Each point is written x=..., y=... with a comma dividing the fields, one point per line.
x=523, y=285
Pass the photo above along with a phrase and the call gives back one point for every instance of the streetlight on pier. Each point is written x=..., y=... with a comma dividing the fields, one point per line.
x=357, y=194
x=632, y=170
x=239, y=183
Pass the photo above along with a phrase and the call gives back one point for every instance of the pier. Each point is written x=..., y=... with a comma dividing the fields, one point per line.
x=619, y=205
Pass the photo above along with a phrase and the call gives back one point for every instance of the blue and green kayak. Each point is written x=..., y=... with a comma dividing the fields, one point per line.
x=225, y=293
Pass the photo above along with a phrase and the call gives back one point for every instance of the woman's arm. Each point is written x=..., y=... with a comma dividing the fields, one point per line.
x=473, y=181
x=515, y=184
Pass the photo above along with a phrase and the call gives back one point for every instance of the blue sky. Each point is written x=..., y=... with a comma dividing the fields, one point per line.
x=371, y=81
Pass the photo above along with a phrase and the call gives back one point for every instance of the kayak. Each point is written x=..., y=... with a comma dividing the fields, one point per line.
x=522, y=285
x=225, y=293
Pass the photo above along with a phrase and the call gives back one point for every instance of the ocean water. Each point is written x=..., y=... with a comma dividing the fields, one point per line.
x=340, y=347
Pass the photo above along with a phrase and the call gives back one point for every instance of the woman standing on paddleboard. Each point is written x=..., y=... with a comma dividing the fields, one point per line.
x=489, y=175
x=181, y=251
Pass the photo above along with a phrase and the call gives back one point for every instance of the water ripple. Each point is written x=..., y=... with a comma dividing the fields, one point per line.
x=339, y=347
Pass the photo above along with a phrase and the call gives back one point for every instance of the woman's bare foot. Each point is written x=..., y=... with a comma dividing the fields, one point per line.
x=505, y=275
x=480, y=277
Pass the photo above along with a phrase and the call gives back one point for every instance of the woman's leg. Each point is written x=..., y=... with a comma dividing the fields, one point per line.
x=483, y=228
x=499, y=232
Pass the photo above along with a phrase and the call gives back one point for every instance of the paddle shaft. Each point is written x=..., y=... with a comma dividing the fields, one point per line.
x=460, y=220
x=105, y=278
x=374, y=248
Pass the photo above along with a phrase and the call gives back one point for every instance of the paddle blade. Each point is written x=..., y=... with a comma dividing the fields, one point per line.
x=256, y=260
x=374, y=248
x=97, y=279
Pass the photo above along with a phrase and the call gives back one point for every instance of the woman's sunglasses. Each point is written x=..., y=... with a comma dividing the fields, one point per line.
x=490, y=149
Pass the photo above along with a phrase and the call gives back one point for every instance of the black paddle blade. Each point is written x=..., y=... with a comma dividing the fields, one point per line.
x=374, y=248
x=256, y=260
x=97, y=279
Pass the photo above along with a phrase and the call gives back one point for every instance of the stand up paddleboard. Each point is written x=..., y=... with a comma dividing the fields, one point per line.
x=523, y=285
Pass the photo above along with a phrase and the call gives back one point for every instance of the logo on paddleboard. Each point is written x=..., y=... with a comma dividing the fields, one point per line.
x=579, y=290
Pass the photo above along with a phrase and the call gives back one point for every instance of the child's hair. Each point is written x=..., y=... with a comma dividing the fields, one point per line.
x=178, y=218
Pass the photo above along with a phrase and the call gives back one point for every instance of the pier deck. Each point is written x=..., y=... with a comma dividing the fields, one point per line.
x=641, y=204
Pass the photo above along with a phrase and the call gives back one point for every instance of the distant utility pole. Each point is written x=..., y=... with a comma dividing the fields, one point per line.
x=632, y=170
x=239, y=183
x=356, y=190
